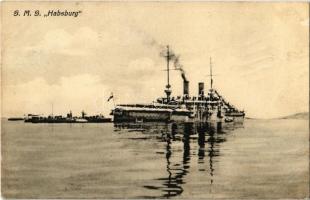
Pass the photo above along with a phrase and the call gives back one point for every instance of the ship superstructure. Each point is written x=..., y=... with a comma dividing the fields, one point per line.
x=210, y=107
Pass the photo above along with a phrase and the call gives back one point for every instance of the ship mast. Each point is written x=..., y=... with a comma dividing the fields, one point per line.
x=168, y=58
x=168, y=91
x=52, y=109
x=211, y=73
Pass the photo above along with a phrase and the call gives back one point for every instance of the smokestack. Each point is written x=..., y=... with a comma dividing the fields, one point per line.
x=201, y=87
x=185, y=87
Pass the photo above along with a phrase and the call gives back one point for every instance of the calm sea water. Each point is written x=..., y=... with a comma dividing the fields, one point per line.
x=256, y=159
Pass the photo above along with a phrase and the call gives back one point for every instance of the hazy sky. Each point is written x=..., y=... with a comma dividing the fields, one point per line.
x=259, y=50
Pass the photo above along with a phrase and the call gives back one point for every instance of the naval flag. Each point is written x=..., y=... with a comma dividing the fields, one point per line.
x=111, y=97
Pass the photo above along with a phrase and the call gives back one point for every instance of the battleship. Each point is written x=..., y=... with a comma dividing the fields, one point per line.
x=210, y=107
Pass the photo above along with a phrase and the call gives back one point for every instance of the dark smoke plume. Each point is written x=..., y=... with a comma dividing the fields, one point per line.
x=175, y=59
x=179, y=67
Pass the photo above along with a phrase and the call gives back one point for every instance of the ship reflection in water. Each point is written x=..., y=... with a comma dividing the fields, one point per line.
x=209, y=138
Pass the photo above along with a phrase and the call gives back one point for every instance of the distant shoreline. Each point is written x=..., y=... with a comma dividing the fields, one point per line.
x=302, y=115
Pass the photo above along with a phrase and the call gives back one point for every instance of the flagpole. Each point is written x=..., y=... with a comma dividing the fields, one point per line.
x=112, y=97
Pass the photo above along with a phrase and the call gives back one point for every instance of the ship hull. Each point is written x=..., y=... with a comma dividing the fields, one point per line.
x=179, y=118
x=132, y=115
x=151, y=114
x=65, y=120
x=16, y=119
x=141, y=116
x=237, y=117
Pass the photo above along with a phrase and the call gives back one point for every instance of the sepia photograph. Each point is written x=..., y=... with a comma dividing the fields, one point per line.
x=154, y=100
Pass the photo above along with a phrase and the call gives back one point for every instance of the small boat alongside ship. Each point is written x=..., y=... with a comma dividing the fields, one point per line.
x=15, y=119
x=211, y=107
x=32, y=118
